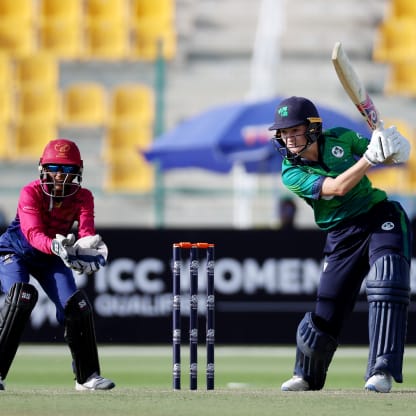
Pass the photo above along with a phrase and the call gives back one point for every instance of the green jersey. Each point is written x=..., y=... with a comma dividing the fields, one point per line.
x=339, y=149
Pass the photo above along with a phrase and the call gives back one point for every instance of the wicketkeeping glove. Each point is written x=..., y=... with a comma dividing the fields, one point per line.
x=64, y=248
x=92, y=254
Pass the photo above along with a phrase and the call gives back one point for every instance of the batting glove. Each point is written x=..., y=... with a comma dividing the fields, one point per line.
x=402, y=153
x=382, y=146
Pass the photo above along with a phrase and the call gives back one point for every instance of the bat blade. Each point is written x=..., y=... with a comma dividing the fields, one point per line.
x=354, y=87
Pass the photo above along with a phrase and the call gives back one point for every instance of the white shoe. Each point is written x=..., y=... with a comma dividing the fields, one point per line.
x=380, y=383
x=296, y=383
x=95, y=382
x=2, y=386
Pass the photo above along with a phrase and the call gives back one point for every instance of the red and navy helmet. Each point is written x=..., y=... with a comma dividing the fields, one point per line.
x=61, y=152
x=57, y=154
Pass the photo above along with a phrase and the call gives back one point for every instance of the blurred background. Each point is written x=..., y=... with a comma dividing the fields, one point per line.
x=124, y=77
x=116, y=74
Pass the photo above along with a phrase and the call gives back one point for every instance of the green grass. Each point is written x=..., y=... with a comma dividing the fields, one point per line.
x=247, y=383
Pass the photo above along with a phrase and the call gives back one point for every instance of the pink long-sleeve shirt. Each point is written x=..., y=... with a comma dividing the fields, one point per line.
x=40, y=225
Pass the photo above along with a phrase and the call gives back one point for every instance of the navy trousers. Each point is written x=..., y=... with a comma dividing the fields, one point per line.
x=350, y=251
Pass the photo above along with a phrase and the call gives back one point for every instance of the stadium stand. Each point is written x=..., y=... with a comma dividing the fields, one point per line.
x=153, y=29
x=126, y=136
x=37, y=70
x=214, y=64
x=399, y=8
x=106, y=39
x=5, y=141
x=60, y=11
x=401, y=79
x=6, y=106
x=62, y=38
x=132, y=102
x=30, y=138
x=17, y=27
x=84, y=104
x=395, y=40
x=6, y=90
x=40, y=103
x=128, y=172
x=116, y=10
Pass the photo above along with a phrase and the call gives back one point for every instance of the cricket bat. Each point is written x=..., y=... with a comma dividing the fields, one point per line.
x=354, y=87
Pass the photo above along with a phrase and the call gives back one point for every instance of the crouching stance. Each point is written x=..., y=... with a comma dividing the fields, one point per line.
x=14, y=314
x=38, y=243
x=368, y=237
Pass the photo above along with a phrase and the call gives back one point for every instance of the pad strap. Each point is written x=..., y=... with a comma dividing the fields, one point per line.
x=314, y=353
x=14, y=315
x=388, y=294
x=80, y=336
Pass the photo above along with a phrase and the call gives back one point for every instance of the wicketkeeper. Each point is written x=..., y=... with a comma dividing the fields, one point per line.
x=368, y=237
x=39, y=243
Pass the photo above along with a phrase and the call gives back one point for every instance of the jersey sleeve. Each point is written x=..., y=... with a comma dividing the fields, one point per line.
x=86, y=224
x=34, y=229
x=304, y=184
x=358, y=143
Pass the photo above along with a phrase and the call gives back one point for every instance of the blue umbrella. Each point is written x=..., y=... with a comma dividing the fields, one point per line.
x=234, y=133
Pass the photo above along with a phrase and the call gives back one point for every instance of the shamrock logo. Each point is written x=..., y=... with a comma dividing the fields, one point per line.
x=283, y=111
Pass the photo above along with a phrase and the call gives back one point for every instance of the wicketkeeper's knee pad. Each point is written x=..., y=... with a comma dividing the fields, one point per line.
x=388, y=294
x=80, y=336
x=314, y=353
x=15, y=313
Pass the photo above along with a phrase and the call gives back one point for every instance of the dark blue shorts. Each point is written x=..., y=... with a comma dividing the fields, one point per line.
x=350, y=251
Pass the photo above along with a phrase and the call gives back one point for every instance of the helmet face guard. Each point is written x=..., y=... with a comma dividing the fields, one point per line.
x=61, y=157
x=68, y=184
x=296, y=111
x=312, y=133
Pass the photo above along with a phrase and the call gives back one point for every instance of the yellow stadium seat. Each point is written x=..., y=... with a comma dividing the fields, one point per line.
x=16, y=38
x=60, y=10
x=411, y=167
x=132, y=101
x=6, y=70
x=6, y=105
x=85, y=104
x=61, y=38
x=39, y=103
x=6, y=89
x=401, y=79
x=40, y=69
x=389, y=179
x=402, y=126
x=153, y=29
x=402, y=8
x=148, y=42
x=5, y=143
x=106, y=9
x=143, y=12
x=396, y=40
x=31, y=137
x=129, y=172
x=127, y=136
x=16, y=27
x=106, y=39
x=22, y=10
